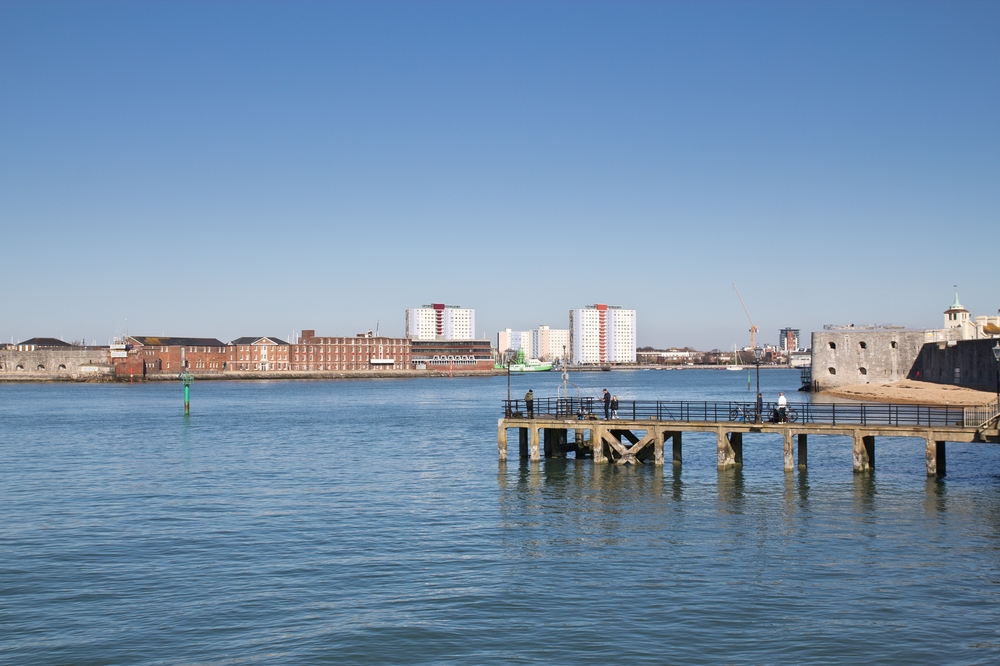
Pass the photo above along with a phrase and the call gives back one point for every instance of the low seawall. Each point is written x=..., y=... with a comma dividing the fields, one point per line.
x=317, y=374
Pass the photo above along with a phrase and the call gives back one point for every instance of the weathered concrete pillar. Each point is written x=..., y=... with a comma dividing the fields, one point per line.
x=789, y=457
x=864, y=452
x=536, y=453
x=597, y=441
x=676, y=438
x=803, y=452
x=658, y=448
x=580, y=442
x=935, y=458
x=547, y=442
x=501, y=440
x=730, y=448
x=522, y=442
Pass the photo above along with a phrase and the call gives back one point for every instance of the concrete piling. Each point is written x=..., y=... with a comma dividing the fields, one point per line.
x=501, y=440
x=730, y=447
x=803, y=450
x=597, y=442
x=935, y=458
x=864, y=452
x=789, y=457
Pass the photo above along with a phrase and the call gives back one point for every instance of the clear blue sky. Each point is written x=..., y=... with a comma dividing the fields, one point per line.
x=227, y=169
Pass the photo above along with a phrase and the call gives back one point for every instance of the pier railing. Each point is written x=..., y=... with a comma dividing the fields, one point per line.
x=867, y=414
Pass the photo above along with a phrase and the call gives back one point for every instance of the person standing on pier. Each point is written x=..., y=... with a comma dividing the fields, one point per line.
x=614, y=406
x=782, y=407
x=529, y=402
x=607, y=405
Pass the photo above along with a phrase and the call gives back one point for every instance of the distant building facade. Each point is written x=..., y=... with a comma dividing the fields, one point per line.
x=452, y=354
x=788, y=340
x=602, y=333
x=362, y=352
x=258, y=354
x=438, y=321
x=550, y=344
x=960, y=325
x=514, y=340
x=156, y=354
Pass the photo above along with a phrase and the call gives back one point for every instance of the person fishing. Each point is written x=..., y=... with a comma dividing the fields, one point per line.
x=607, y=405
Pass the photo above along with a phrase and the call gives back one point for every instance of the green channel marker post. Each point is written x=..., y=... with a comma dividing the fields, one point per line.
x=187, y=393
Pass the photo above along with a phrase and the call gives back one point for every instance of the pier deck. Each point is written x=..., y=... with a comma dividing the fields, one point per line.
x=641, y=436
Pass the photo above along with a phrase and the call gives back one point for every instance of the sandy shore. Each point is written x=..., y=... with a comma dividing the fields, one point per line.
x=911, y=392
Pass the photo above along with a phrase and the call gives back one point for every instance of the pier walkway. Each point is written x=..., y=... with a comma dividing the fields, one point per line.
x=643, y=428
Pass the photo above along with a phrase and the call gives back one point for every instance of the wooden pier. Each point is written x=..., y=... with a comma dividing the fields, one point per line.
x=643, y=438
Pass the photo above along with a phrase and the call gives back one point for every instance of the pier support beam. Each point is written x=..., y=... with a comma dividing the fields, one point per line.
x=730, y=449
x=522, y=442
x=658, y=449
x=803, y=451
x=536, y=453
x=789, y=457
x=547, y=442
x=935, y=458
x=864, y=452
x=580, y=440
x=501, y=440
x=597, y=444
x=676, y=439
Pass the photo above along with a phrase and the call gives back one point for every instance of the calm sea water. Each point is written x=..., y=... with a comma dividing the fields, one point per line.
x=370, y=522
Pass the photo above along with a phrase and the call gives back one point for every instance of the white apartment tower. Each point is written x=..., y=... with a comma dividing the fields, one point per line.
x=508, y=339
x=438, y=321
x=602, y=334
x=550, y=344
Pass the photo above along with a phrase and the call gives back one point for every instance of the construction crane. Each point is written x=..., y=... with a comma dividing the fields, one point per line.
x=753, y=326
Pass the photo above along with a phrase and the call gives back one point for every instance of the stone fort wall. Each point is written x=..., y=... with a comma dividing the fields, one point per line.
x=54, y=363
x=863, y=355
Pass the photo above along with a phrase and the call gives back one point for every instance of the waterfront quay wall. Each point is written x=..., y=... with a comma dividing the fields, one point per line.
x=314, y=374
x=55, y=363
x=967, y=363
x=863, y=355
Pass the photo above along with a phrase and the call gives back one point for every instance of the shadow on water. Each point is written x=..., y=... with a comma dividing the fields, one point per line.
x=865, y=491
x=936, y=495
x=731, y=490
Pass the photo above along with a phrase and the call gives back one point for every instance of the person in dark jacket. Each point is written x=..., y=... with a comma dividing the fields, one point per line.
x=607, y=405
x=529, y=402
x=614, y=406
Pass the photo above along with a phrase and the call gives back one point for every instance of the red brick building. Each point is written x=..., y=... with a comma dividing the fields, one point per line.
x=149, y=354
x=263, y=354
x=362, y=352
